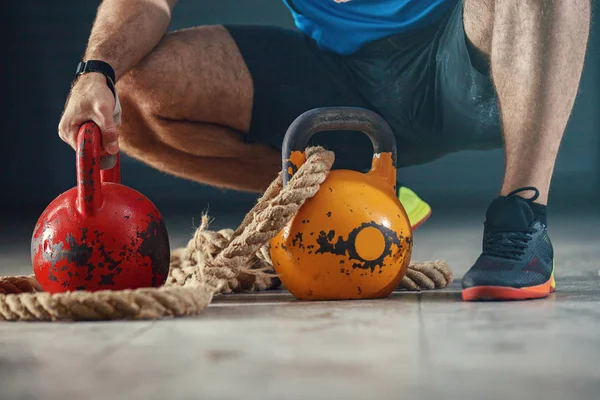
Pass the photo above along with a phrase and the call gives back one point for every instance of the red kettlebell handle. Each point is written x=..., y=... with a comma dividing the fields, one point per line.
x=110, y=166
x=89, y=174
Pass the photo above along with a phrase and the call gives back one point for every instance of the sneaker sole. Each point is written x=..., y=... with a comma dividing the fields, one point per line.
x=510, y=293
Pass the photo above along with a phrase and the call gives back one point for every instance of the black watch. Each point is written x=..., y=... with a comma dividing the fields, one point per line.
x=98, y=66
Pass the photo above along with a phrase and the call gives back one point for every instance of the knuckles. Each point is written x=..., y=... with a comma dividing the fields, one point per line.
x=81, y=106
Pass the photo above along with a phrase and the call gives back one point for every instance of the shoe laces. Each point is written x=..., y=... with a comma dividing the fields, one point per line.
x=512, y=244
x=507, y=245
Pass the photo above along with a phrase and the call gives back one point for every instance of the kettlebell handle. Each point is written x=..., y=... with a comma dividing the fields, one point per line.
x=341, y=118
x=89, y=165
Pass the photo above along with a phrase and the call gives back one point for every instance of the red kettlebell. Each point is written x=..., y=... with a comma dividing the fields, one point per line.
x=99, y=235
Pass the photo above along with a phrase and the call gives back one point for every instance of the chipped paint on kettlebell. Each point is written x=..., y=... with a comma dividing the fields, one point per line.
x=348, y=246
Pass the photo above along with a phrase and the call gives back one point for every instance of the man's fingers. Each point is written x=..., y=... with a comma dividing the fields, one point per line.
x=110, y=135
x=67, y=131
x=90, y=99
x=110, y=139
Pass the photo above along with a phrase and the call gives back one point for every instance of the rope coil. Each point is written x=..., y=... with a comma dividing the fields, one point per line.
x=212, y=262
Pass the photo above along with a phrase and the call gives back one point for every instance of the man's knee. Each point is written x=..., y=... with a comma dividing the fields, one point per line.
x=146, y=85
x=481, y=16
x=135, y=134
x=478, y=20
x=143, y=100
x=134, y=88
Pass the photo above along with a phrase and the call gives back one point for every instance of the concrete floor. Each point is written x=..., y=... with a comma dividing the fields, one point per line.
x=270, y=346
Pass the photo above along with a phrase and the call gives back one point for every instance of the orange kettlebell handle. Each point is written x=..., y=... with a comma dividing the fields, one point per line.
x=89, y=174
x=341, y=118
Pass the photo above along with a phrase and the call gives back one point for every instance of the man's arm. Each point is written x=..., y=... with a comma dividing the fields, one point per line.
x=126, y=30
x=123, y=33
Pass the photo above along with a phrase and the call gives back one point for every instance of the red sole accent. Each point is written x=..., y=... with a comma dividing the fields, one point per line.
x=418, y=224
x=508, y=293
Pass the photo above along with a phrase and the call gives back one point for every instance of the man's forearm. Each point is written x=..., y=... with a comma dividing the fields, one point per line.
x=126, y=30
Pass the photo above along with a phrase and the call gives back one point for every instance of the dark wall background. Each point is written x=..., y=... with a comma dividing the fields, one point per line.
x=46, y=40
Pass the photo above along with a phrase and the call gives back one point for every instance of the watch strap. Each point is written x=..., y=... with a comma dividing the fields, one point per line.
x=98, y=66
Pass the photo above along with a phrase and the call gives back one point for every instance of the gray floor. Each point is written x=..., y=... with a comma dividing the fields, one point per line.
x=269, y=346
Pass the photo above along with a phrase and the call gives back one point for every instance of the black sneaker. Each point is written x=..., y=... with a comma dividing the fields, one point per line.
x=517, y=261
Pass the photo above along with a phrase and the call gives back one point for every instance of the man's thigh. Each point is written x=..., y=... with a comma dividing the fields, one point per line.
x=192, y=75
x=252, y=79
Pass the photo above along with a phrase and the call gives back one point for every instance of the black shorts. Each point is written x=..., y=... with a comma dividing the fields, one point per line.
x=423, y=83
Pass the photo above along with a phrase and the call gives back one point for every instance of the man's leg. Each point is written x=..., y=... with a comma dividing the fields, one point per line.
x=212, y=105
x=536, y=50
x=187, y=107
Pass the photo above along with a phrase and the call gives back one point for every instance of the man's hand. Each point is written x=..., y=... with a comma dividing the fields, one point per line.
x=124, y=32
x=90, y=100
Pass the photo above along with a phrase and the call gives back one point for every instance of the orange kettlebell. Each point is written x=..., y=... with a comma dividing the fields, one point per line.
x=353, y=239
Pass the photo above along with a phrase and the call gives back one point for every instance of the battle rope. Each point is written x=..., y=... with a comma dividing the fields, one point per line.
x=211, y=263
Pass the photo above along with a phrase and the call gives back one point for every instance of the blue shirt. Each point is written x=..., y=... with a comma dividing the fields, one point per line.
x=344, y=26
